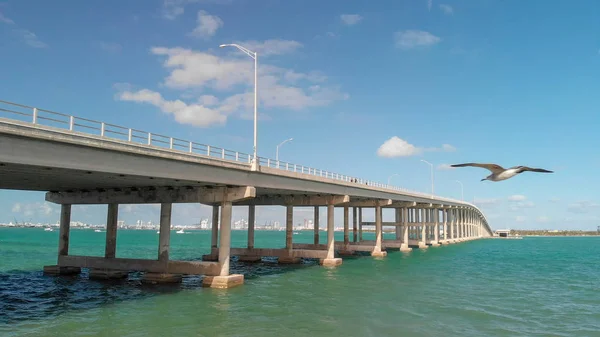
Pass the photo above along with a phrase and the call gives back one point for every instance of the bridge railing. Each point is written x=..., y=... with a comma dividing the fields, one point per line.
x=55, y=119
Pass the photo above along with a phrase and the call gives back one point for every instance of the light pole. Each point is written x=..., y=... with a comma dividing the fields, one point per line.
x=277, y=153
x=430, y=164
x=395, y=174
x=253, y=55
x=462, y=190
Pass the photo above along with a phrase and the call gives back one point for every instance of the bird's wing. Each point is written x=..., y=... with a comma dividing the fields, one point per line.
x=492, y=167
x=532, y=169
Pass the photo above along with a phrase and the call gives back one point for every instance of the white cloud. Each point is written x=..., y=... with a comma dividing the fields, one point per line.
x=517, y=197
x=109, y=47
x=520, y=218
x=174, y=8
x=491, y=201
x=35, y=209
x=6, y=20
x=429, y=4
x=445, y=167
x=194, y=114
x=408, y=39
x=447, y=9
x=31, y=39
x=210, y=76
x=207, y=25
x=554, y=199
x=271, y=47
x=542, y=219
x=582, y=206
x=398, y=147
x=351, y=19
x=520, y=205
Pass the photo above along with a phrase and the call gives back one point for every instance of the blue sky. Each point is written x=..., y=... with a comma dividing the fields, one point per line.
x=507, y=82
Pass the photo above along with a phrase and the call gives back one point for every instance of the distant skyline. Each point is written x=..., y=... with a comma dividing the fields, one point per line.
x=365, y=89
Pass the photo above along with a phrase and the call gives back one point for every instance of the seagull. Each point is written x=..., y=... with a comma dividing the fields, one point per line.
x=499, y=173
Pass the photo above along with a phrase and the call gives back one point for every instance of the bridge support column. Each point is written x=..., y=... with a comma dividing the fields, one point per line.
x=346, y=250
x=251, y=223
x=354, y=224
x=422, y=222
x=404, y=246
x=330, y=260
x=360, y=231
x=435, y=227
x=164, y=239
x=377, y=252
x=63, y=244
x=214, y=237
x=224, y=280
x=289, y=228
x=110, y=248
x=316, y=226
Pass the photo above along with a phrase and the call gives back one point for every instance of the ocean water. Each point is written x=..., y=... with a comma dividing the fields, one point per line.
x=530, y=287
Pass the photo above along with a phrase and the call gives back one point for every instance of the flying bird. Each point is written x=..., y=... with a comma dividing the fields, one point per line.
x=499, y=173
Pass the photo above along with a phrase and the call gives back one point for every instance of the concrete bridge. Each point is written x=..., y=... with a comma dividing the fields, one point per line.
x=81, y=161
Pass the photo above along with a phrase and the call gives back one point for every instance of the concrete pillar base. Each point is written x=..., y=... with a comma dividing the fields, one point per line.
x=248, y=258
x=423, y=245
x=155, y=278
x=405, y=248
x=380, y=253
x=61, y=270
x=330, y=262
x=223, y=282
x=107, y=274
x=210, y=257
x=444, y=242
x=346, y=252
x=289, y=260
x=434, y=243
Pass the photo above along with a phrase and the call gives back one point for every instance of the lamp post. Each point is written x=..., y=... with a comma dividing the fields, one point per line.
x=462, y=190
x=395, y=174
x=254, y=55
x=430, y=164
x=277, y=152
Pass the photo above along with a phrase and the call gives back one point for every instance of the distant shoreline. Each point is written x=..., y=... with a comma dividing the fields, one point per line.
x=557, y=233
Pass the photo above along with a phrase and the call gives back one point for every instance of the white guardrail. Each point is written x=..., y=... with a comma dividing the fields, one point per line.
x=42, y=117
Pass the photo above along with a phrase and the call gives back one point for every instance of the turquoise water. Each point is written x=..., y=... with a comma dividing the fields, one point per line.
x=530, y=287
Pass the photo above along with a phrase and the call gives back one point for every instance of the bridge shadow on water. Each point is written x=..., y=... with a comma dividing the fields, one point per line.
x=31, y=295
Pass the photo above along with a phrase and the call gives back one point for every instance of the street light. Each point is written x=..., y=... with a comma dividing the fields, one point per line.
x=395, y=174
x=253, y=55
x=277, y=153
x=462, y=190
x=430, y=164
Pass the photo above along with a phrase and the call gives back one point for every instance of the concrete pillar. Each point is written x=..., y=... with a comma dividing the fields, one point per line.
x=378, y=233
x=289, y=227
x=63, y=244
x=251, y=222
x=164, y=237
x=224, y=280
x=354, y=224
x=251, y=234
x=360, y=233
x=346, y=238
x=397, y=222
x=225, y=238
x=436, y=227
x=316, y=226
x=215, y=227
x=65, y=229
x=110, y=249
x=330, y=260
x=404, y=246
x=214, y=235
x=445, y=219
x=289, y=232
x=423, y=222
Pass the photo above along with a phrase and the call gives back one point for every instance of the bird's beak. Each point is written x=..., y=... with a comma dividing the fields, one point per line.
x=483, y=179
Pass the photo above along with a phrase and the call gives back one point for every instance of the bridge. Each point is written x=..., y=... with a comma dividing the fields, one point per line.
x=81, y=161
